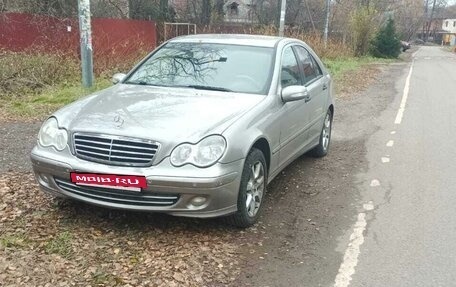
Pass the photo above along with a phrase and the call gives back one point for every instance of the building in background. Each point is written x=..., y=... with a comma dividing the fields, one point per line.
x=449, y=35
x=432, y=32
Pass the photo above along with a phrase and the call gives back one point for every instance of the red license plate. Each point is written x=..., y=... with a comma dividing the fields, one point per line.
x=125, y=182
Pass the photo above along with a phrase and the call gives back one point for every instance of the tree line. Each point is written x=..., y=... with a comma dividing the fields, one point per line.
x=352, y=21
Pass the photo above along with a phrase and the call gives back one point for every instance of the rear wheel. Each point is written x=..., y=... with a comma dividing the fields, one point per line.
x=325, y=137
x=251, y=190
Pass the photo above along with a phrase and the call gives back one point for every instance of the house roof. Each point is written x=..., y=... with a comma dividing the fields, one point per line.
x=234, y=39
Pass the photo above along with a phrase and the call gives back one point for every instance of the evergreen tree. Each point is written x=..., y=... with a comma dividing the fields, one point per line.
x=386, y=43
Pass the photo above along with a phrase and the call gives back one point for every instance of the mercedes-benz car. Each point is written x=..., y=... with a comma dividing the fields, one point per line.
x=198, y=128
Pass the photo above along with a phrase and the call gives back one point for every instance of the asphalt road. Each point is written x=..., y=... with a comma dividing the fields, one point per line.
x=410, y=237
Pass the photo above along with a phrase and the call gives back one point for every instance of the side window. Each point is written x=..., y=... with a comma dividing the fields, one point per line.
x=317, y=67
x=309, y=65
x=290, y=74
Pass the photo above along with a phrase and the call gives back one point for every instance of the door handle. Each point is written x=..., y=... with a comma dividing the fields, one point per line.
x=325, y=87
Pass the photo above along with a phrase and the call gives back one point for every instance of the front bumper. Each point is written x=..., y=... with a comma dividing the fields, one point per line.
x=218, y=184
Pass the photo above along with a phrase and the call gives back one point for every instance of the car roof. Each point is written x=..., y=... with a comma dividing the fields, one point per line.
x=233, y=39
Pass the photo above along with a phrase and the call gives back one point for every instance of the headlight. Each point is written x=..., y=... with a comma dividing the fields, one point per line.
x=203, y=154
x=51, y=135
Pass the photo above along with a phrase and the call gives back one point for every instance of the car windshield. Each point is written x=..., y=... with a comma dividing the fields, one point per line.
x=219, y=67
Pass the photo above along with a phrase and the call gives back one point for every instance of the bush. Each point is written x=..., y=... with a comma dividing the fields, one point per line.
x=386, y=43
x=33, y=71
x=362, y=30
x=23, y=73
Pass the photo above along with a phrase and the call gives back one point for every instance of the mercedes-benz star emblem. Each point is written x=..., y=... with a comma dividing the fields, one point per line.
x=118, y=119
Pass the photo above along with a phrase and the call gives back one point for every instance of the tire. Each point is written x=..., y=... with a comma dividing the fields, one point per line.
x=253, y=185
x=322, y=148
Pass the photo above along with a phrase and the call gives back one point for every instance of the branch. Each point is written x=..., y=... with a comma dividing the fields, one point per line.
x=122, y=14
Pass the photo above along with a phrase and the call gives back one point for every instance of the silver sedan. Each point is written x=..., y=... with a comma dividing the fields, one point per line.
x=198, y=128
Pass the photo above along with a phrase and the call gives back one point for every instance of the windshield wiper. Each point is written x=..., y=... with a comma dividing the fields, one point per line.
x=198, y=87
x=209, y=88
x=143, y=83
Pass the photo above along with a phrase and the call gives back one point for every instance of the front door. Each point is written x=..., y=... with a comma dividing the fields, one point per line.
x=295, y=115
x=318, y=88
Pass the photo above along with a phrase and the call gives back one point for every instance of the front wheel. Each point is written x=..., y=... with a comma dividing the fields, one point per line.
x=251, y=190
x=325, y=137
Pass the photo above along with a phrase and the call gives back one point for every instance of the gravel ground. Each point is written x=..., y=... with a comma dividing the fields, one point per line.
x=48, y=242
x=16, y=141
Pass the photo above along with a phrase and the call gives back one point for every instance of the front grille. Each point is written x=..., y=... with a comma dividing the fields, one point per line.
x=125, y=197
x=114, y=150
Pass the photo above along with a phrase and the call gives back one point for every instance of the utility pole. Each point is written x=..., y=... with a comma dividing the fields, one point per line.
x=426, y=19
x=85, y=29
x=283, y=9
x=428, y=33
x=325, y=34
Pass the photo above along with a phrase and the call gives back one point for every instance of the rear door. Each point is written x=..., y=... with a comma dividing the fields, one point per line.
x=317, y=86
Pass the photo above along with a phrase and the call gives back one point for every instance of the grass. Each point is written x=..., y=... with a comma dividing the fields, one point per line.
x=106, y=279
x=61, y=245
x=340, y=66
x=51, y=98
x=13, y=241
x=34, y=84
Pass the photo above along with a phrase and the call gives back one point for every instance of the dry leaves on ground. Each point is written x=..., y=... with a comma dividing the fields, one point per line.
x=48, y=242
x=356, y=81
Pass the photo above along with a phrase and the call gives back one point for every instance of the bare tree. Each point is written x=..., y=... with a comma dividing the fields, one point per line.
x=449, y=12
x=56, y=8
x=409, y=18
x=436, y=9
x=110, y=8
x=3, y=5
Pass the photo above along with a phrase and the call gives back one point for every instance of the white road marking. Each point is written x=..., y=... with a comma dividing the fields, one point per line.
x=400, y=112
x=369, y=206
x=374, y=183
x=347, y=268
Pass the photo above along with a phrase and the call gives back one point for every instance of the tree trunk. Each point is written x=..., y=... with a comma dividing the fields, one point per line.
x=310, y=15
x=219, y=7
x=163, y=10
x=206, y=13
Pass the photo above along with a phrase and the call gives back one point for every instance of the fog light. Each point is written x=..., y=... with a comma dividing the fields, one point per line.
x=198, y=201
x=43, y=178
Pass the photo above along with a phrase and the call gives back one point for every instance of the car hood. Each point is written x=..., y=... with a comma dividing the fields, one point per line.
x=167, y=115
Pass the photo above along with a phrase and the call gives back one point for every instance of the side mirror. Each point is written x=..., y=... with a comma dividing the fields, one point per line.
x=118, y=78
x=294, y=93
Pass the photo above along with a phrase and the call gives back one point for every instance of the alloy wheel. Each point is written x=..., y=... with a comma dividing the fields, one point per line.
x=255, y=189
x=326, y=134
